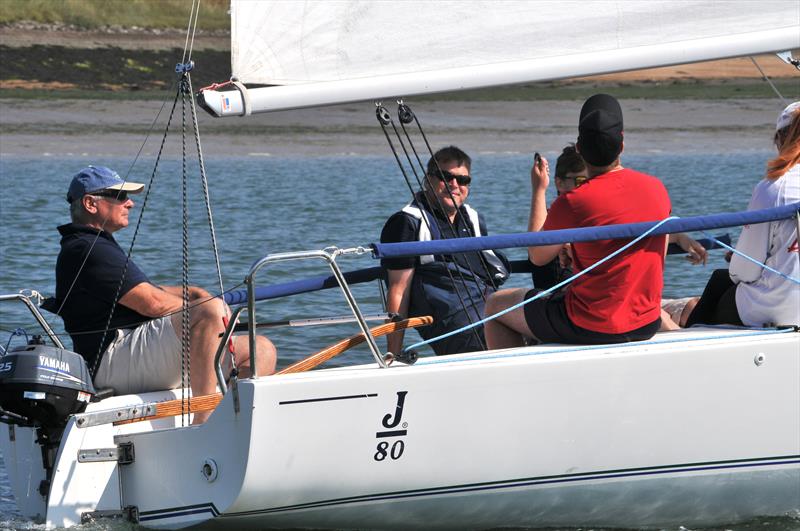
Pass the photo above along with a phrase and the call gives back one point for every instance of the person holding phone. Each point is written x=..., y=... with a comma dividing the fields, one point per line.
x=620, y=301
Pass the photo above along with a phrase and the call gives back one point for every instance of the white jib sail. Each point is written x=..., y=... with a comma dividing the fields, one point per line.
x=332, y=51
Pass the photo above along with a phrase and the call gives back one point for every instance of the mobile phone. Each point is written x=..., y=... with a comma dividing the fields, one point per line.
x=536, y=157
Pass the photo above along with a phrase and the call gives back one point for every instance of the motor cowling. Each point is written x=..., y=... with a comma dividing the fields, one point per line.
x=44, y=385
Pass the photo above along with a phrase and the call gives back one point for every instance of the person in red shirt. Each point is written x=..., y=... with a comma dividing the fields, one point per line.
x=619, y=301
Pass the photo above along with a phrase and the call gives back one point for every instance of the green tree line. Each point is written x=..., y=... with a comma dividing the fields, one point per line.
x=90, y=14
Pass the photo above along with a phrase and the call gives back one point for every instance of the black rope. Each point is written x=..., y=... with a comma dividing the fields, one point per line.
x=384, y=118
x=406, y=114
x=105, y=220
x=149, y=188
x=440, y=206
x=186, y=375
x=207, y=199
x=204, y=183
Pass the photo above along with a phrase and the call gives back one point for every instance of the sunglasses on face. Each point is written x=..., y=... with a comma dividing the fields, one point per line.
x=446, y=176
x=120, y=195
x=578, y=179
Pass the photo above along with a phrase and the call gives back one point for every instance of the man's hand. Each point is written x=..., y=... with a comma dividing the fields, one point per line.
x=195, y=292
x=398, y=299
x=565, y=256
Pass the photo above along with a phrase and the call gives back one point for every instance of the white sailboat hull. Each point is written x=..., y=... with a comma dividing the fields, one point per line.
x=694, y=427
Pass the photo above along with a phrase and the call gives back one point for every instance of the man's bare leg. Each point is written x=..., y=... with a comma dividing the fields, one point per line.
x=206, y=325
x=667, y=323
x=687, y=310
x=266, y=356
x=508, y=330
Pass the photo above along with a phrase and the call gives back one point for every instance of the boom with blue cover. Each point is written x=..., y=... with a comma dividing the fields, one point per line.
x=584, y=234
x=526, y=239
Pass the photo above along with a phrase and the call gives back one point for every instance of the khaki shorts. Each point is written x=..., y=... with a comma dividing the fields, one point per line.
x=143, y=359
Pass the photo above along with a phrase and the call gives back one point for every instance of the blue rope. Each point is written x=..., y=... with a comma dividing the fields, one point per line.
x=760, y=264
x=17, y=332
x=542, y=293
x=578, y=348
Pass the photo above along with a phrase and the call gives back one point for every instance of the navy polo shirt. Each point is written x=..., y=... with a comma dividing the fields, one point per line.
x=85, y=312
x=402, y=227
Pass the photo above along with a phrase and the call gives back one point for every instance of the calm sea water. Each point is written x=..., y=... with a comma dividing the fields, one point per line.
x=264, y=205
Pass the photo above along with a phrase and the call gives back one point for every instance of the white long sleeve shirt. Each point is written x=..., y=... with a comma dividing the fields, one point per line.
x=762, y=297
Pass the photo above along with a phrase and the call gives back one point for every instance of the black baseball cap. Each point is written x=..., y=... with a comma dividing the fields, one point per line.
x=600, y=130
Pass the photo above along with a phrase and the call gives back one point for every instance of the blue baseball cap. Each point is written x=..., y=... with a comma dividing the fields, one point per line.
x=96, y=178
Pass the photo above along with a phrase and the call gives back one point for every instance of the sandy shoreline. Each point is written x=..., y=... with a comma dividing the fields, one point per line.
x=92, y=129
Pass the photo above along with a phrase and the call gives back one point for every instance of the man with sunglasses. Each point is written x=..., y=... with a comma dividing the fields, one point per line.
x=450, y=288
x=112, y=310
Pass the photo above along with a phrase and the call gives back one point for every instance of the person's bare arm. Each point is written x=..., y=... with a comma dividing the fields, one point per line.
x=151, y=300
x=194, y=292
x=696, y=253
x=540, y=179
x=398, y=300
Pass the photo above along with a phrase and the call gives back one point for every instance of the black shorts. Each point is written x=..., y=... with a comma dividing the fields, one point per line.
x=548, y=320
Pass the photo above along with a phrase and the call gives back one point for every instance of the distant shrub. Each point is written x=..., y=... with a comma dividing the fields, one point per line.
x=90, y=14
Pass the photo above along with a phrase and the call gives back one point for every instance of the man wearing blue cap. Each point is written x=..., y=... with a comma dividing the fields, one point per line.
x=141, y=349
x=619, y=301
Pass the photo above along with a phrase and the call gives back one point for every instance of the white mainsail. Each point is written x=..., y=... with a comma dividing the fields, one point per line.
x=326, y=52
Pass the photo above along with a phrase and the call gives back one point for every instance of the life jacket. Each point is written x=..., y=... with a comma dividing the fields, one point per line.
x=428, y=229
x=453, y=295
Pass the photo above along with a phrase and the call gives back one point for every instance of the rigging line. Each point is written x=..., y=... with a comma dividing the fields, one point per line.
x=105, y=219
x=481, y=257
x=768, y=80
x=204, y=182
x=149, y=189
x=405, y=110
x=458, y=269
x=547, y=291
x=440, y=205
x=186, y=378
x=194, y=30
x=188, y=31
x=746, y=257
x=385, y=118
x=206, y=196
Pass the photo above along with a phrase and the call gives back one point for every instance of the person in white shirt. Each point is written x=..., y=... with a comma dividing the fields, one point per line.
x=746, y=293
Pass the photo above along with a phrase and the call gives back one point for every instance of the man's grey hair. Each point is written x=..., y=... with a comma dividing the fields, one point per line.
x=77, y=213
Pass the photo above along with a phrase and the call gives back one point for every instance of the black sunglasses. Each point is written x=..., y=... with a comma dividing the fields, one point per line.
x=119, y=195
x=578, y=179
x=446, y=176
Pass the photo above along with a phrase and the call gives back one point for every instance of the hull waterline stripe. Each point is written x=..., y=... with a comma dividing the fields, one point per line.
x=325, y=399
x=544, y=480
x=174, y=512
x=578, y=348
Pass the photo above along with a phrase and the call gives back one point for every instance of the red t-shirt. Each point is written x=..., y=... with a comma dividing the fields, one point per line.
x=624, y=293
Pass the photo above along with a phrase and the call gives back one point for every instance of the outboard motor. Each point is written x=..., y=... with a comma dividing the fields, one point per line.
x=40, y=387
